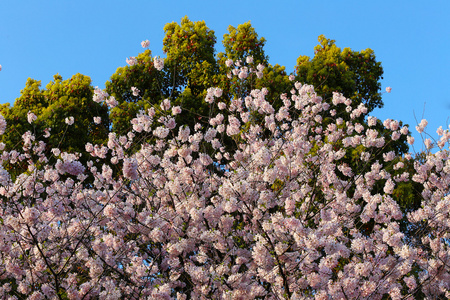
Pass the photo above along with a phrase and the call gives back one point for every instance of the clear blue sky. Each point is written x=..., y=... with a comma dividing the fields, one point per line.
x=411, y=38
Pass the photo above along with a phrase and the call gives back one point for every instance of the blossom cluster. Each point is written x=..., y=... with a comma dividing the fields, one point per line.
x=100, y=95
x=243, y=71
x=281, y=213
x=158, y=63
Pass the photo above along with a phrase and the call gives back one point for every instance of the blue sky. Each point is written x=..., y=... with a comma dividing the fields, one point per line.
x=410, y=38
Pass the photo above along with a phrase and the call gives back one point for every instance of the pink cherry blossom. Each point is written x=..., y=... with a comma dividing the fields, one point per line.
x=135, y=91
x=243, y=73
x=69, y=120
x=421, y=127
x=176, y=110
x=47, y=132
x=31, y=117
x=2, y=124
x=217, y=92
x=112, y=102
x=145, y=44
x=165, y=105
x=158, y=63
x=131, y=61
x=229, y=62
x=99, y=95
x=130, y=169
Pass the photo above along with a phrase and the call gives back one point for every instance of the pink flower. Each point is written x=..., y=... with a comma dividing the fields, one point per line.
x=30, y=215
x=428, y=144
x=249, y=59
x=47, y=132
x=410, y=282
x=388, y=89
x=2, y=125
x=56, y=151
x=31, y=117
x=183, y=133
x=389, y=156
x=170, y=123
x=131, y=61
x=229, y=62
x=158, y=63
x=404, y=130
x=243, y=73
x=69, y=120
x=145, y=44
x=234, y=127
x=69, y=164
x=135, y=91
x=176, y=110
x=161, y=132
x=47, y=290
x=394, y=125
x=99, y=95
x=112, y=102
x=421, y=127
x=395, y=135
x=89, y=147
x=130, y=169
x=165, y=105
x=209, y=98
x=217, y=92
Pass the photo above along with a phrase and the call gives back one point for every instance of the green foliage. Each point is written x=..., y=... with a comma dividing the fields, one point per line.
x=73, y=97
x=59, y=100
x=239, y=43
x=143, y=76
x=190, y=47
x=188, y=71
x=354, y=74
x=243, y=41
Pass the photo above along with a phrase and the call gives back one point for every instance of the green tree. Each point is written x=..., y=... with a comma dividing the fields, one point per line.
x=354, y=74
x=188, y=72
x=142, y=76
x=240, y=43
x=59, y=100
x=243, y=41
x=189, y=47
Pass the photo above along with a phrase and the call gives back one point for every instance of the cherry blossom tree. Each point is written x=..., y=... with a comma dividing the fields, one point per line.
x=280, y=215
